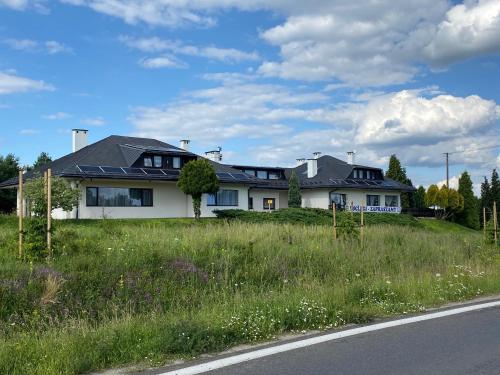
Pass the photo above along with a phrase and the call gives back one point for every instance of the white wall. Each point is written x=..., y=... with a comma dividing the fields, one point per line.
x=258, y=196
x=320, y=198
x=206, y=211
x=168, y=201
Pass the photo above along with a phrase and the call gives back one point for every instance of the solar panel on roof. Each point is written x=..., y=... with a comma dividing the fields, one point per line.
x=171, y=172
x=90, y=169
x=351, y=182
x=371, y=182
x=133, y=170
x=153, y=171
x=115, y=170
x=223, y=175
x=240, y=176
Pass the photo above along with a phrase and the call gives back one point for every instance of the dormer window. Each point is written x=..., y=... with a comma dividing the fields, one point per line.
x=176, y=162
x=148, y=162
x=366, y=174
x=274, y=176
x=262, y=175
x=158, y=161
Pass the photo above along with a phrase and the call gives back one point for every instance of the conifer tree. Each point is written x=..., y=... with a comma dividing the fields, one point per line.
x=469, y=215
x=398, y=173
x=294, y=196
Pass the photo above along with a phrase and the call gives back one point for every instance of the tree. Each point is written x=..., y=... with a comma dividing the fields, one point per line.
x=63, y=195
x=469, y=215
x=495, y=188
x=486, y=198
x=449, y=201
x=197, y=178
x=294, y=196
x=420, y=197
x=9, y=167
x=398, y=173
x=42, y=159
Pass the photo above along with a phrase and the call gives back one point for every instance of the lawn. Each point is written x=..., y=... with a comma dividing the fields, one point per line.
x=149, y=291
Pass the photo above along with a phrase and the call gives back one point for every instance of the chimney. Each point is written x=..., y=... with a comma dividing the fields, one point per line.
x=351, y=157
x=184, y=144
x=300, y=161
x=316, y=154
x=79, y=139
x=214, y=155
x=312, y=168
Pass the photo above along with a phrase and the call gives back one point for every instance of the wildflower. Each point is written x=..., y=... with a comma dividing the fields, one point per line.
x=358, y=275
x=438, y=275
x=388, y=281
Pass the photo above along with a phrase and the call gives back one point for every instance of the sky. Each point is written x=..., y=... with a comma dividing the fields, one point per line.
x=268, y=81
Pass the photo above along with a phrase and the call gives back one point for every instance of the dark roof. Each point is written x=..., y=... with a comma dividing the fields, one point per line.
x=334, y=173
x=122, y=152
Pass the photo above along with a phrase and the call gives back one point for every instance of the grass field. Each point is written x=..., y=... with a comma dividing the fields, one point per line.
x=148, y=291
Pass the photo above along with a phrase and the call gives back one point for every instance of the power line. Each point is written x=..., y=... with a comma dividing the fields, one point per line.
x=473, y=149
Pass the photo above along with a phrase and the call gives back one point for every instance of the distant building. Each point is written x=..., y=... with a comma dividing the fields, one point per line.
x=128, y=177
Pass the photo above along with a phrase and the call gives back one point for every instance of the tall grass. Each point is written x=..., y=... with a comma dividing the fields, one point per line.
x=120, y=292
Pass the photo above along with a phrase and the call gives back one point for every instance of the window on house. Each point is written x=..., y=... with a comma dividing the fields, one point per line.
x=262, y=175
x=119, y=197
x=158, y=161
x=223, y=198
x=391, y=200
x=373, y=200
x=250, y=203
x=176, y=162
x=269, y=203
x=251, y=172
x=355, y=174
x=274, y=175
x=339, y=200
x=91, y=196
x=148, y=162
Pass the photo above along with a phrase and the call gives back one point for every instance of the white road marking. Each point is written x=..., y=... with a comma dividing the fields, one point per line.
x=228, y=361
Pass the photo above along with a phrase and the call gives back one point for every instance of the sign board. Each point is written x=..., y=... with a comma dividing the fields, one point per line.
x=380, y=209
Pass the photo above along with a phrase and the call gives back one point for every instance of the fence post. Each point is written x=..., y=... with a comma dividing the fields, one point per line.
x=334, y=209
x=362, y=222
x=49, y=211
x=484, y=223
x=21, y=213
x=495, y=222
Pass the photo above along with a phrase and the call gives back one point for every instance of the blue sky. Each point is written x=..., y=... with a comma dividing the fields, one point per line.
x=268, y=81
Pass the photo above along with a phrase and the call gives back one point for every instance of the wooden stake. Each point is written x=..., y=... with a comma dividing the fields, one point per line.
x=21, y=213
x=495, y=222
x=49, y=211
x=484, y=223
x=362, y=222
x=334, y=209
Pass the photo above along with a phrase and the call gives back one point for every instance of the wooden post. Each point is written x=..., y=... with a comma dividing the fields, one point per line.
x=334, y=210
x=21, y=213
x=362, y=222
x=49, y=211
x=484, y=223
x=495, y=222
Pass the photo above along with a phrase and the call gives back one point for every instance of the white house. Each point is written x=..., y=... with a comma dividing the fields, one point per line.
x=128, y=177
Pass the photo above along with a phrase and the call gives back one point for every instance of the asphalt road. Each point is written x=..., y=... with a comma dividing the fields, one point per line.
x=462, y=344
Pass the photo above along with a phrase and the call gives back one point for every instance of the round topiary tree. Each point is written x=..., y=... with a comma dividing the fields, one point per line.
x=197, y=178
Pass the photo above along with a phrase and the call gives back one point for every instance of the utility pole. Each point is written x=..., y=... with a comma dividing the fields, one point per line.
x=447, y=154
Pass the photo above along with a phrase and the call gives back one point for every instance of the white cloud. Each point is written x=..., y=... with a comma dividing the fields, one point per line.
x=407, y=117
x=22, y=5
x=156, y=13
x=469, y=29
x=155, y=44
x=50, y=47
x=381, y=43
x=57, y=116
x=93, y=121
x=11, y=83
x=224, y=112
x=29, y=132
x=164, y=61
